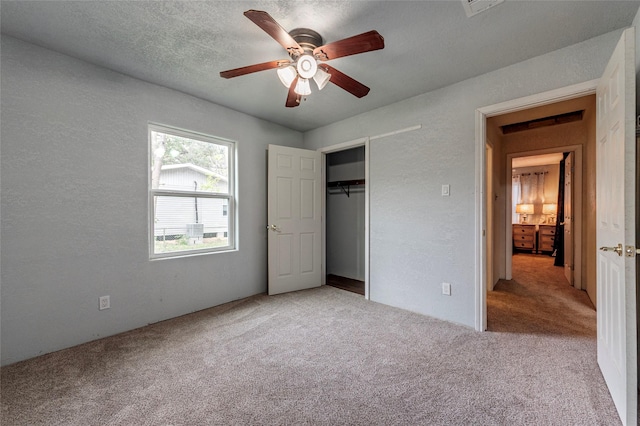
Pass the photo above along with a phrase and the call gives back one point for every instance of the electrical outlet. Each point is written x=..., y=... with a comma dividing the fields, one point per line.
x=446, y=289
x=105, y=303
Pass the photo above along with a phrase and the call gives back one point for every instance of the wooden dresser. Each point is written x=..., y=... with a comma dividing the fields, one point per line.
x=524, y=237
x=546, y=237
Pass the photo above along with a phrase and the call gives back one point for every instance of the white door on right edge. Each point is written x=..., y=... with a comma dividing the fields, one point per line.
x=615, y=228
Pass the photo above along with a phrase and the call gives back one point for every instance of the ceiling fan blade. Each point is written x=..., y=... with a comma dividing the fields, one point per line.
x=236, y=72
x=293, y=99
x=271, y=27
x=361, y=43
x=342, y=80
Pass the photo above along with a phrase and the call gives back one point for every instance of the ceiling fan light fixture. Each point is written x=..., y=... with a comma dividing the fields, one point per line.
x=303, y=88
x=307, y=66
x=321, y=78
x=287, y=75
x=308, y=53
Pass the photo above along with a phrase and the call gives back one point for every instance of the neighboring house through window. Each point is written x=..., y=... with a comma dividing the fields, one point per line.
x=192, y=193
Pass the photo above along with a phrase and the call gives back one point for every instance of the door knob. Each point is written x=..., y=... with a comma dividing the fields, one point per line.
x=617, y=249
x=273, y=228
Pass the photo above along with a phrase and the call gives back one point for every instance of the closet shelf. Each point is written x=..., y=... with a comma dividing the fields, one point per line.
x=345, y=185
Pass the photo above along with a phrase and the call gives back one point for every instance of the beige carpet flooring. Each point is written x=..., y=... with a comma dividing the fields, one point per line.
x=329, y=357
x=540, y=300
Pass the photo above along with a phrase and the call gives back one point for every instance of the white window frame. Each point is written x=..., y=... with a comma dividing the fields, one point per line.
x=231, y=196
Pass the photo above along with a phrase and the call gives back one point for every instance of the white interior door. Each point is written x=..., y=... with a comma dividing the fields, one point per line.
x=568, y=218
x=294, y=219
x=615, y=218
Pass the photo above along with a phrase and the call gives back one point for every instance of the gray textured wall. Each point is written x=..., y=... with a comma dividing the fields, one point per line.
x=74, y=203
x=419, y=239
x=74, y=155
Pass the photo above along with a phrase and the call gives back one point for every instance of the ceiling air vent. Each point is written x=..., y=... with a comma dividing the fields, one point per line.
x=473, y=7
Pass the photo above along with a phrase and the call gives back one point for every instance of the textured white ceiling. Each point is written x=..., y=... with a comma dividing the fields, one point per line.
x=429, y=44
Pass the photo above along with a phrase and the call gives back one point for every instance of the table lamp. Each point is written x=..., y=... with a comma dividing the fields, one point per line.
x=550, y=209
x=524, y=210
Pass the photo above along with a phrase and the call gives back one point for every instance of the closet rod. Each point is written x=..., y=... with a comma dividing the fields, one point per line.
x=348, y=183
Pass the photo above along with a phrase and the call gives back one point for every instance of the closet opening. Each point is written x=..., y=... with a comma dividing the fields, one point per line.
x=345, y=208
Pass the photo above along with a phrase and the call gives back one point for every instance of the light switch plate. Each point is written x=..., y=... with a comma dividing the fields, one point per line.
x=445, y=190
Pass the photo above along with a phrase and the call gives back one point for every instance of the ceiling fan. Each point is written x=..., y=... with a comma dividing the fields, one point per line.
x=307, y=56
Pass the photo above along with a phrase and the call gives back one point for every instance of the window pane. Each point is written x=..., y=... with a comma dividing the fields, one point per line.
x=190, y=223
x=183, y=164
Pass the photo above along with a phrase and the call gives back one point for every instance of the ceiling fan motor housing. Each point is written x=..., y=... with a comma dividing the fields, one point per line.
x=307, y=39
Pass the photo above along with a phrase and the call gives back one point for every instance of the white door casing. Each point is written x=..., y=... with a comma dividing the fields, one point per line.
x=364, y=142
x=568, y=218
x=489, y=235
x=294, y=227
x=615, y=224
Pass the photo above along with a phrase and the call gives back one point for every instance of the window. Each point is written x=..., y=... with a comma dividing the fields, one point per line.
x=191, y=193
